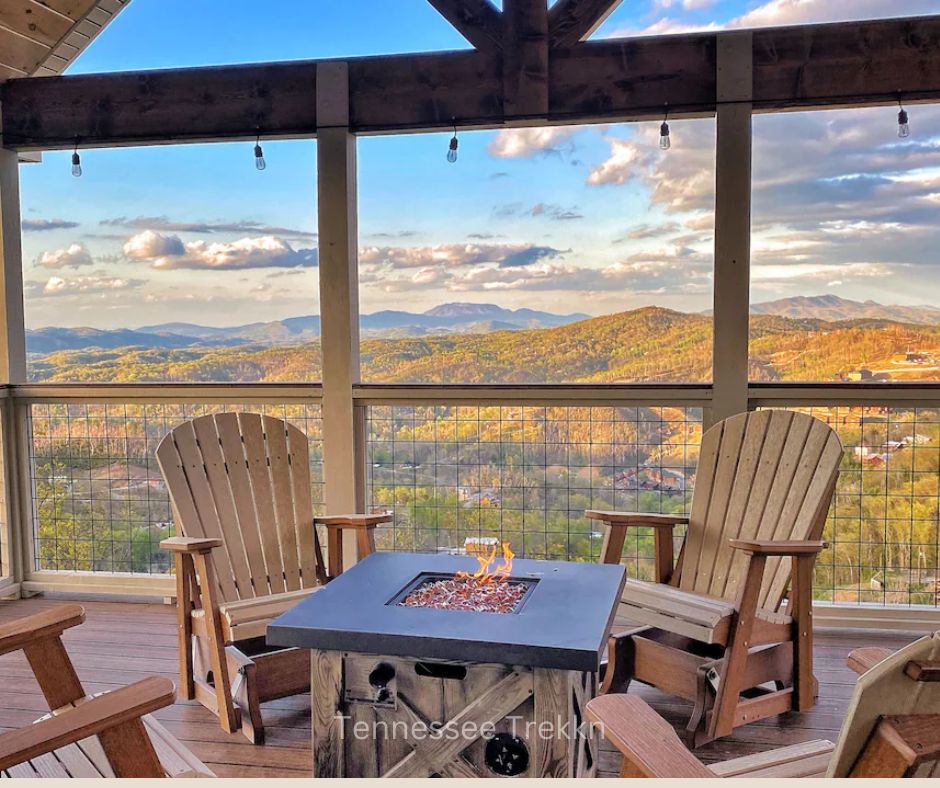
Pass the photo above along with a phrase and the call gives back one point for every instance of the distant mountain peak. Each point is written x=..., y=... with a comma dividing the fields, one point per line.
x=831, y=307
x=465, y=309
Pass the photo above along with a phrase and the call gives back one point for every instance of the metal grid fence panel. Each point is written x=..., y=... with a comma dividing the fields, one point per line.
x=99, y=500
x=526, y=474
x=884, y=524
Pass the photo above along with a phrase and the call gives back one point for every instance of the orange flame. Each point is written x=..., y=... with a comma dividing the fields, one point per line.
x=484, y=574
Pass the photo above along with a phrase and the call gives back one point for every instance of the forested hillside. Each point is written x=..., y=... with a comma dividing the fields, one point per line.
x=646, y=345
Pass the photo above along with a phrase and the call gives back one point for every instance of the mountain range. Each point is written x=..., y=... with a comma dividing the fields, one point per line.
x=442, y=320
x=463, y=318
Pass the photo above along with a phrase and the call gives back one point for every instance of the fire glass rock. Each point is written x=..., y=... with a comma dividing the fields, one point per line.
x=468, y=593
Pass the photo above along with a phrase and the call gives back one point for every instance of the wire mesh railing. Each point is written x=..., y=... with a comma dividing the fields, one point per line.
x=527, y=473
x=99, y=501
x=524, y=473
x=884, y=525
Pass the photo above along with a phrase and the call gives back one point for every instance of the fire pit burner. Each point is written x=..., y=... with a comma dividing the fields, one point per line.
x=465, y=592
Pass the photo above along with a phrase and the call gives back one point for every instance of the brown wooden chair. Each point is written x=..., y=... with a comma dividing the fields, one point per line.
x=109, y=735
x=892, y=729
x=247, y=551
x=714, y=631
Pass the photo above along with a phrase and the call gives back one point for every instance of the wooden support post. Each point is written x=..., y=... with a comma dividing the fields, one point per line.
x=339, y=295
x=525, y=59
x=732, y=224
x=14, y=528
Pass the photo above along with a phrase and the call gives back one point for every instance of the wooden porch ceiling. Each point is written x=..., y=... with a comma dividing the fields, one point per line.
x=531, y=67
x=42, y=37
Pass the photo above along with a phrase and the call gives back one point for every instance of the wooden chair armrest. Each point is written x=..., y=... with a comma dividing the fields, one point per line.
x=185, y=544
x=87, y=719
x=648, y=743
x=637, y=519
x=769, y=548
x=861, y=660
x=48, y=623
x=354, y=520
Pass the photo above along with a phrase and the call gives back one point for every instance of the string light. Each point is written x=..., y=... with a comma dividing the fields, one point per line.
x=452, y=148
x=260, y=163
x=664, y=141
x=904, y=128
x=76, y=162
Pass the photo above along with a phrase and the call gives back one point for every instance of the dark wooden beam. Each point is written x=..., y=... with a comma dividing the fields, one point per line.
x=525, y=58
x=476, y=20
x=571, y=21
x=794, y=68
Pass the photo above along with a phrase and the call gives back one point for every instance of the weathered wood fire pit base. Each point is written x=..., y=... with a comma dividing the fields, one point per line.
x=377, y=716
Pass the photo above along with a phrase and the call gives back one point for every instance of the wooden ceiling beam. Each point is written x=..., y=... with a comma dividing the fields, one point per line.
x=804, y=67
x=572, y=21
x=476, y=20
x=525, y=58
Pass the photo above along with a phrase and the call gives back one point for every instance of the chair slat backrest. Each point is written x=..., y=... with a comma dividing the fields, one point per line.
x=244, y=478
x=764, y=475
x=883, y=691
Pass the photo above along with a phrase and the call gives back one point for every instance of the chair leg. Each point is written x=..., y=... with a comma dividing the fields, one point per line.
x=228, y=714
x=736, y=654
x=184, y=625
x=245, y=693
x=805, y=687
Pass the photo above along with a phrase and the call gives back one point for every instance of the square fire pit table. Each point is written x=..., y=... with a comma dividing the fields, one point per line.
x=401, y=691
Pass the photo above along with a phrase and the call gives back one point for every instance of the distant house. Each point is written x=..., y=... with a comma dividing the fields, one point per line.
x=651, y=478
x=122, y=476
x=917, y=357
x=479, y=496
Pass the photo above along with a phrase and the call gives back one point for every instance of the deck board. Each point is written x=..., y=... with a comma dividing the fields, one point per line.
x=123, y=642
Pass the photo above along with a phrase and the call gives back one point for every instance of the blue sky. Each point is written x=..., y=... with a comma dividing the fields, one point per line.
x=567, y=219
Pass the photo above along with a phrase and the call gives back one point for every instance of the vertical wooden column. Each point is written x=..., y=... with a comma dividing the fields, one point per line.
x=732, y=224
x=14, y=529
x=339, y=295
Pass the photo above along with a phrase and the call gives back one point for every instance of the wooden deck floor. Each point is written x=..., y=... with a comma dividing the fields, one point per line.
x=122, y=642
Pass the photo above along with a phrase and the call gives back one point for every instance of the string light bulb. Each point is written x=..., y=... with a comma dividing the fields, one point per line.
x=664, y=141
x=904, y=127
x=452, y=148
x=76, y=162
x=260, y=163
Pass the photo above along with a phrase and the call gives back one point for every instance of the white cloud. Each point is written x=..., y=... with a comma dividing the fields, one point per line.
x=778, y=273
x=167, y=252
x=456, y=255
x=97, y=284
x=73, y=256
x=523, y=143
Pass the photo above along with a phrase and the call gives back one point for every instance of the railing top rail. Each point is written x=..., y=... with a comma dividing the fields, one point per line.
x=165, y=392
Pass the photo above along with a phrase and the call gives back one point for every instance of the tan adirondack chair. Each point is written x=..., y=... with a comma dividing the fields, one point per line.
x=248, y=550
x=892, y=729
x=109, y=735
x=713, y=625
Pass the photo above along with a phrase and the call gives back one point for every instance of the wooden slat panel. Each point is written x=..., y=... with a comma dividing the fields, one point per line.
x=221, y=491
x=201, y=493
x=713, y=523
x=73, y=9
x=752, y=448
x=777, y=431
x=20, y=53
x=256, y=454
x=33, y=21
x=185, y=514
x=230, y=436
x=698, y=514
x=306, y=535
x=810, y=478
x=275, y=431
